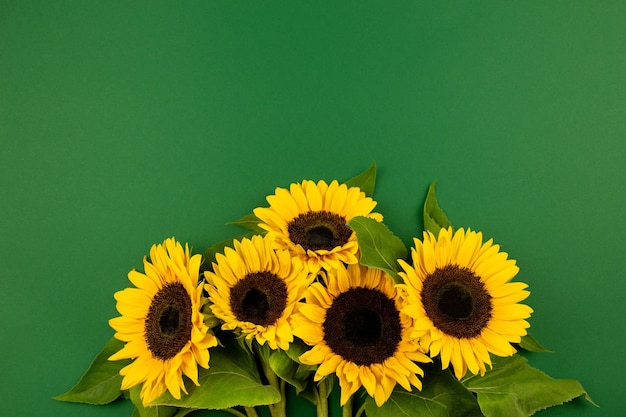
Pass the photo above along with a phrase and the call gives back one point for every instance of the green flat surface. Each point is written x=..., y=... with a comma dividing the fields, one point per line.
x=123, y=124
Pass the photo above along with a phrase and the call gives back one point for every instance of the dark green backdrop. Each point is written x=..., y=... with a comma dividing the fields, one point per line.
x=123, y=123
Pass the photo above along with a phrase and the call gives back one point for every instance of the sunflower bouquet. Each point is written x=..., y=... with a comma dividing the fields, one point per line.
x=318, y=296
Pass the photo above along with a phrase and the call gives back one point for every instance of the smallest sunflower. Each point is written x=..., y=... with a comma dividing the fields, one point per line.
x=458, y=292
x=162, y=323
x=255, y=289
x=354, y=323
x=309, y=220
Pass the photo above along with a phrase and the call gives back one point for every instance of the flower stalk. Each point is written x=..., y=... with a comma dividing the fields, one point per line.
x=346, y=410
x=322, y=399
x=278, y=409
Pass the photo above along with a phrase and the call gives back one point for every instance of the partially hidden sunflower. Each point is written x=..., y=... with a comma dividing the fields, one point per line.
x=354, y=323
x=309, y=219
x=254, y=289
x=458, y=292
x=162, y=324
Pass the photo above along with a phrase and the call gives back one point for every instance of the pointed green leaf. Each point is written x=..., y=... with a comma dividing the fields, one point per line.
x=296, y=349
x=141, y=411
x=231, y=380
x=286, y=365
x=434, y=217
x=250, y=222
x=209, y=255
x=441, y=396
x=530, y=344
x=366, y=180
x=309, y=393
x=515, y=389
x=330, y=382
x=286, y=369
x=101, y=382
x=379, y=247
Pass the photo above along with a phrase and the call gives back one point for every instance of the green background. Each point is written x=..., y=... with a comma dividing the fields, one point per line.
x=123, y=123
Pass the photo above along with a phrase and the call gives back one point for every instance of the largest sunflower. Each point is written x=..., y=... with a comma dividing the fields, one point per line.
x=310, y=219
x=354, y=323
x=464, y=306
x=162, y=323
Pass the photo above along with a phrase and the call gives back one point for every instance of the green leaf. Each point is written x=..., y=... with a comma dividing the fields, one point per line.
x=141, y=411
x=515, y=389
x=286, y=365
x=379, y=247
x=366, y=180
x=330, y=382
x=209, y=255
x=441, y=396
x=250, y=222
x=101, y=382
x=530, y=344
x=286, y=369
x=434, y=217
x=231, y=380
x=309, y=393
x=296, y=349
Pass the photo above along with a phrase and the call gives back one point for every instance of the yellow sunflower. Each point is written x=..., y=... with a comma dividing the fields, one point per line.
x=354, y=323
x=255, y=288
x=310, y=219
x=162, y=323
x=464, y=306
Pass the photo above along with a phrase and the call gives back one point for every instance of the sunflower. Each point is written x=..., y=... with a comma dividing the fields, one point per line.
x=255, y=288
x=162, y=323
x=464, y=306
x=310, y=219
x=354, y=323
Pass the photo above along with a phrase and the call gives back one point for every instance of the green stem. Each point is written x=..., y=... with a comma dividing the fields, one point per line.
x=235, y=412
x=346, y=410
x=278, y=409
x=322, y=399
x=251, y=411
x=282, y=390
x=360, y=410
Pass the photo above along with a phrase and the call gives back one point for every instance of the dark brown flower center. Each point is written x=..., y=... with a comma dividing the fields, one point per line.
x=363, y=326
x=456, y=301
x=259, y=298
x=168, y=323
x=317, y=230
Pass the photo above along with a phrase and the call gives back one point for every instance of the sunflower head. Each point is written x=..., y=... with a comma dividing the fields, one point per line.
x=459, y=294
x=354, y=322
x=254, y=289
x=162, y=323
x=309, y=220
